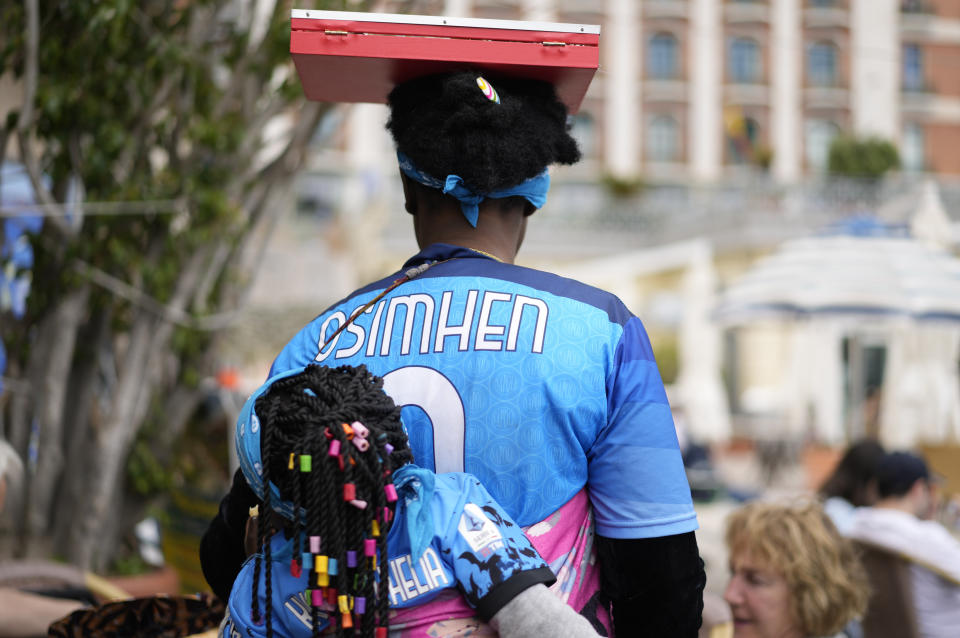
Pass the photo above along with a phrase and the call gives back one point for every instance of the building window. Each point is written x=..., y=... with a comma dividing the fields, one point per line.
x=662, y=58
x=663, y=139
x=744, y=61
x=913, y=152
x=822, y=64
x=912, y=68
x=817, y=137
x=916, y=6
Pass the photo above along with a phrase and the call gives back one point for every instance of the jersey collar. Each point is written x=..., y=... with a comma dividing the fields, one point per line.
x=443, y=252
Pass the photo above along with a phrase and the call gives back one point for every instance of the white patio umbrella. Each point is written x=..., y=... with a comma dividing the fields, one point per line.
x=876, y=275
x=859, y=276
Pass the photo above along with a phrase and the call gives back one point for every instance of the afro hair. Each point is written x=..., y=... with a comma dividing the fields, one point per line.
x=447, y=126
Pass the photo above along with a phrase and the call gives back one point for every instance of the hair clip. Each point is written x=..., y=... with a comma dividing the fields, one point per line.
x=488, y=91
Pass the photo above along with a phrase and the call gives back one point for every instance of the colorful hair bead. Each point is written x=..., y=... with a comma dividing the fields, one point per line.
x=388, y=448
x=381, y=632
x=349, y=492
x=323, y=580
x=332, y=567
x=360, y=505
x=343, y=604
x=334, y=449
x=332, y=596
x=320, y=564
x=360, y=605
x=375, y=528
x=361, y=444
x=295, y=569
x=290, y=462
x=315, y=544
x=316, y=597
x=346, y=620
x=391, y=492
x=307, y=559
x=347, y=430
x=351, y=558
x=369, y=547
x=360, y=429
x=306, y=462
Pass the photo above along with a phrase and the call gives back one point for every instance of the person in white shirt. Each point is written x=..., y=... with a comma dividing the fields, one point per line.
x=899, y=523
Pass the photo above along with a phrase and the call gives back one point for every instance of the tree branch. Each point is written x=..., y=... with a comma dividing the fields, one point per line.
x=25, y=121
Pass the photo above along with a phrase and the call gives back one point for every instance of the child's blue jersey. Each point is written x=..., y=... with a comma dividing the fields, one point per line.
x=537, y=384
x=474, y=548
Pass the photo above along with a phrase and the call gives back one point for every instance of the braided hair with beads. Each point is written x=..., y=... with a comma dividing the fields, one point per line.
x=330, y=439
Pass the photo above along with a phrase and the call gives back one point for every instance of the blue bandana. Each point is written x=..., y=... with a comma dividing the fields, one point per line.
x=534, y=190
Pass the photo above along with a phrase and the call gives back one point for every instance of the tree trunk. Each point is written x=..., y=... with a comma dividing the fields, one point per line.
x=149, y=338
x=84, y=389
x=50, y=372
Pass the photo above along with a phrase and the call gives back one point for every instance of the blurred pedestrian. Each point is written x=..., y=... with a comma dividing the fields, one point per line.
x=792, y=575
x=899, y=523
x=25, y=614
x=853, y=483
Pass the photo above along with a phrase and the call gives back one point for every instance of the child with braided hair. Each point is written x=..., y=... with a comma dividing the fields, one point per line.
x=356, y=540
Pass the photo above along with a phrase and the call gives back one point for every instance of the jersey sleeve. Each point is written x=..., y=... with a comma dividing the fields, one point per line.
x=638, y=486
x=492, y=558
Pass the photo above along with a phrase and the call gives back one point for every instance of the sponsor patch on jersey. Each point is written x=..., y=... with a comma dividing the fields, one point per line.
x=479, y=531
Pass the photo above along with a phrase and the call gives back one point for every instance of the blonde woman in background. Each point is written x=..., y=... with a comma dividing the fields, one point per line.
x=791, y=574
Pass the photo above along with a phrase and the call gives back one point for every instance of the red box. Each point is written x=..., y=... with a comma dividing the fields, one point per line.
x=344, y=56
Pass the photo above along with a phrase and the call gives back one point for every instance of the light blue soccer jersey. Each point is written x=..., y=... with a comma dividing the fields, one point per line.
x=473, y=547
x=536, y=384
